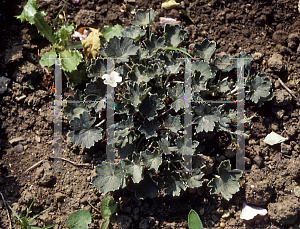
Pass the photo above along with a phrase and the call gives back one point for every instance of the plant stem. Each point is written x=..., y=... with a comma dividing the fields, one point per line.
x=149, y=28
x=138, y=145
x=58, y=14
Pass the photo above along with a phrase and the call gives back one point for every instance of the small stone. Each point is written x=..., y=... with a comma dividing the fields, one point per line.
x=258, y=160
x=257, y=56
x=39, y=173
x=38, y=139
x=46, y=137
x=280, y=37
x=276, y=63
x=18, y=148
x=293, y=40
x=297, y=191
x=282, y=98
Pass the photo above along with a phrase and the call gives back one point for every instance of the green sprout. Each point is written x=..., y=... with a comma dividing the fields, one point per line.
x=23, y=220
x=194, y=220
x=28, y=85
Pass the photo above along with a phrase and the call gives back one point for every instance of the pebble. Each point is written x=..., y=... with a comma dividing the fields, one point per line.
x=258, y=160
x=18, y=148
x=257, y=56
x=293, y=40
x=297, y=191
x=282, y=98
x=38, y=139
x=276, y=63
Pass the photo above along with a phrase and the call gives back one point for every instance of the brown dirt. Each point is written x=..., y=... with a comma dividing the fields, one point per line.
x=269, y=30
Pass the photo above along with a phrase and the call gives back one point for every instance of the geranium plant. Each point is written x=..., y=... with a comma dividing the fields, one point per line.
x=149, y=110
x=148, y=80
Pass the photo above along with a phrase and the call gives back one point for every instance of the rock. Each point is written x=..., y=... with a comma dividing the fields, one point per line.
x=38, y=139
x=297, y=191
x=276, y=63
x=39, y=173
x=3, y=84
x=18, y=148
x=285, y=211
x=278, y=112
x=283, y=50
x=258, y=160
x=257, y=56
x=280, y=37
x=16, y=140
x=293, y=40
x=282, y=98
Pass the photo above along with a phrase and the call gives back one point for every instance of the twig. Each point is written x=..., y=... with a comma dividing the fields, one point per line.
x=35, y=165
x=73, y=163
x=286, y=88
x=93, y=207
x=6, y=211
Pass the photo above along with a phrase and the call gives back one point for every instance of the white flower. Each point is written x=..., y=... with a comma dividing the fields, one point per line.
x=250, y=212
x=81, y=36
x=165, y=20
x=112, y=78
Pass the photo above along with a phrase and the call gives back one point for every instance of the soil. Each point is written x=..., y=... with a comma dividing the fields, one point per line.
x=269, y=30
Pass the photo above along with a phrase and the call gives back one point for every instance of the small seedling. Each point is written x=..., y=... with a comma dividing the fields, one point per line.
x=28, y=85
x=108, y=207
x=194, y=220
x=23, y=220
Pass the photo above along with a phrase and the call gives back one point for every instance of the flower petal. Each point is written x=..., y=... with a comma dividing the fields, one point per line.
x=250, y=212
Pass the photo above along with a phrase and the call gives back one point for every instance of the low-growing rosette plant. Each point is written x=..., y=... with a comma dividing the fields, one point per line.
x=148, y=79
x=149, y=110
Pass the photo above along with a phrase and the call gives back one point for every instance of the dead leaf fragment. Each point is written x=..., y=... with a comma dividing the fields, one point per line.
x=91, y=44
x=127, y=8
x=169, y=4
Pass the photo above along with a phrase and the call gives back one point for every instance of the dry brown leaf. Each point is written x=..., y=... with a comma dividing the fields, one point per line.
x=91, y=44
